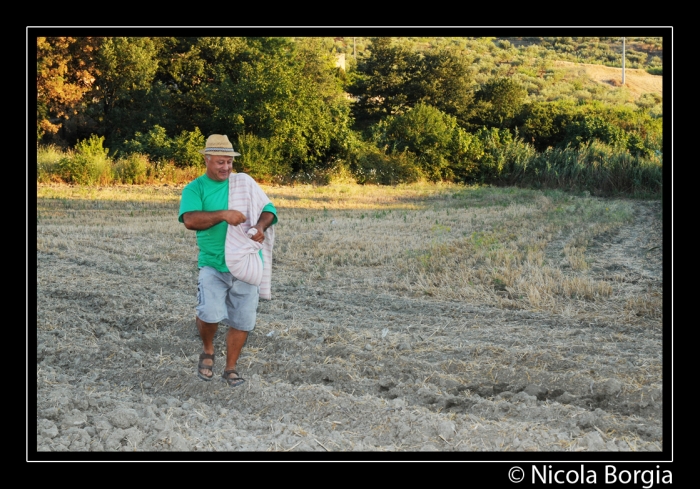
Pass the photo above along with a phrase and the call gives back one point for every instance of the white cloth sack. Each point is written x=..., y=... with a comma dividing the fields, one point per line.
x=241, y=252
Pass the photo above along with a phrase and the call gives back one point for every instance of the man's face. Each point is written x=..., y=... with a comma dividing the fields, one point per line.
x=218, y=167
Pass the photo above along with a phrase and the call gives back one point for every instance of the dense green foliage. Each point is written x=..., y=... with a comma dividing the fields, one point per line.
x=182, y=150
x=439, y=148
x=438, y=109
x=498, y=101
x=595, y=167
x=89, y=165
x=394, y=78
x=641, y=52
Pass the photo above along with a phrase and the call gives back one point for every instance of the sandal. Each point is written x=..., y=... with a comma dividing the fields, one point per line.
x=232, y=381
x=203, y=366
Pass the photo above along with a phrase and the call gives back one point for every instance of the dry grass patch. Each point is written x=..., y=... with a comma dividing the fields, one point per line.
x=506, y=247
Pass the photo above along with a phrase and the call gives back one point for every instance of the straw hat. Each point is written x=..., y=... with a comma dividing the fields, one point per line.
x=218, y=144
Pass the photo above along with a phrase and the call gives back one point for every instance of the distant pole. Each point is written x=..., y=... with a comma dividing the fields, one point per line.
x=353, y=48
x=623, y=60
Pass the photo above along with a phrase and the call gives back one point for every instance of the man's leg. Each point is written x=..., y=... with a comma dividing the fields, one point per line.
x=242, y=303
x=235, y=339
x=207, y=332
x=212, y=288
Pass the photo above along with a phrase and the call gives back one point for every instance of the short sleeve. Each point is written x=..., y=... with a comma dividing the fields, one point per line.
x=190, y=201
x=271, y=208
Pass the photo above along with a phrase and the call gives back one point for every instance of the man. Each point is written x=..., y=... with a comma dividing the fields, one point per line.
x=233, y=219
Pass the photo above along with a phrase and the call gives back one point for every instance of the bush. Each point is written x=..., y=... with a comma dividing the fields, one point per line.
x=340, y=173
x=85, y=170
x=156, y=144
x=504, y=156
x=47, y=158
x=373, y=166
x=88, y=165
x=592, y=127
x=544, y=123
x=261, y=158
x=92, y=147
x=498, y=102
x=465, y=152
x=635, y=129
x=182, y=151
x=428, y=137
x=505, y=44
x=186, y=148
x=131, y=170
x=648, y=100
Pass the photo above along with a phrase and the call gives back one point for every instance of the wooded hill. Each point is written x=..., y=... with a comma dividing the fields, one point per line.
x=412, y=108
x=640, y=52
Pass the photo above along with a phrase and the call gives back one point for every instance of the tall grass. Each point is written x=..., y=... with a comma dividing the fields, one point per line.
x=47, y=158
x=87, y=166
x=596, y=167
x=131, y=170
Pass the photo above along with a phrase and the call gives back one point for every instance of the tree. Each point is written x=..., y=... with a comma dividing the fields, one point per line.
x=383, y=79
x=498, y=102
x=591, y=127
x=65, y=73
x=544, y=123
x=317, y=61
x=445, y=82
x=125, y=88
x=289, y=97
x=194, y=69
x=442, y=148
x=395, y=78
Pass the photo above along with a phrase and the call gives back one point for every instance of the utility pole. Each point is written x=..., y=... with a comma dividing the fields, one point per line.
x=623, y=61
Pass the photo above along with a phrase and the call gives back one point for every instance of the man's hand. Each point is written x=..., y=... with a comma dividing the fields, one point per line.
x=260, y=235
x=264, y=222
x=200, y=220
x=234, y=218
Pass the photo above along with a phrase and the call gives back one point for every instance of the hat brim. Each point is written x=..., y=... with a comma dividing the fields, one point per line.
x=226, y=152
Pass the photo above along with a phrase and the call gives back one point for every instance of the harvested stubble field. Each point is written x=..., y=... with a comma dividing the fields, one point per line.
x=420, y=318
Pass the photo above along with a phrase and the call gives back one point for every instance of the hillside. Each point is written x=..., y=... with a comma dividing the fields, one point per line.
x=637, y=81
x=590, y=65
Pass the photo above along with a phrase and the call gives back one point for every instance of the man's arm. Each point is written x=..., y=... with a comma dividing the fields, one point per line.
x=200, y=220
x=264, y=222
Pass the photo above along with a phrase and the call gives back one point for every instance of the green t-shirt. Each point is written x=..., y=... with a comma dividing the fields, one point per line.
x=205, y=194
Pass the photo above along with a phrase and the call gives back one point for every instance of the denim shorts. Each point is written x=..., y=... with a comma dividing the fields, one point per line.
x=224, y=299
